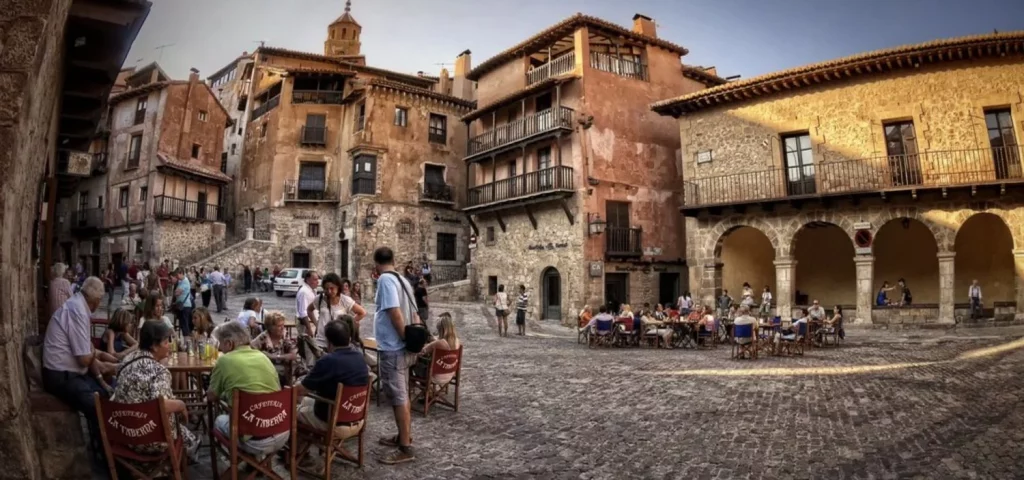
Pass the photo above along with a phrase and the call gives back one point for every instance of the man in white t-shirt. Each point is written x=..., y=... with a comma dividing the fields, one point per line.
x=304, y=298
x=744, y=318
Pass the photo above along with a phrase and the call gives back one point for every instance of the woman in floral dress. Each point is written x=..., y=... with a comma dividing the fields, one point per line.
x=279, y=349
x=142, y=378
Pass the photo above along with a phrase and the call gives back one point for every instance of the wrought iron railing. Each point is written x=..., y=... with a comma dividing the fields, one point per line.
x=891, y=172
x=364, y=186
x=436, y=192
x=265, y=107
x=540, y=122
x=564, y=64
x=322, y=97
x=445, y=274
x=619, y=66
x=541, y=181
x=181, y=209
x=314, y=136
x=310, y=189
x=87, y=218
x=623, y=242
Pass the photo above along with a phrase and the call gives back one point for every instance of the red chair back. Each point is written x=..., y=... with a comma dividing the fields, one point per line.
x=133, y=424
x=351, y=405
x=264, y=414
x=445, y=362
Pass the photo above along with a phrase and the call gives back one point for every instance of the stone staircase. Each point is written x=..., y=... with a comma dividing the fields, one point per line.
x=245, y=251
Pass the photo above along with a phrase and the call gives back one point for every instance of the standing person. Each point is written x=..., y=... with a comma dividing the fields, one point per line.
x=218, y=283
x=142, y=275
x=684, y=303
x=247, y=278
x=357, y=293
x=974, y=294
x=766, y=302
x=79, y=270
x=332, y=305
x=422, y=303
x=162, y=272
x=411, y=275
x=257, y=278
x=133, y=272
x=724, y=302
x=183, y=301
x=108, y=279
x=521, y=304
x=122, y=276
x=305, y=297
x=205, y=287
x=60, y=287
x=501, y=310
x=394, y=312
x=426, y=271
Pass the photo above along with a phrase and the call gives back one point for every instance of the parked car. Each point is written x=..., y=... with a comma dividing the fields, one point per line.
x=290, y=280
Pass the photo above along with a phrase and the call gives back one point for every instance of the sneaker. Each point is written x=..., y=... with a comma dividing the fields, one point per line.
x=403, y=455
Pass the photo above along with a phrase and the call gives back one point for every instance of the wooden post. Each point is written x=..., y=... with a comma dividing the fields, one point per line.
x=493, y=186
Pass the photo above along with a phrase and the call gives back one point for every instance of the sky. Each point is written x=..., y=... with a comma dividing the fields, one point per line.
x=740, y=37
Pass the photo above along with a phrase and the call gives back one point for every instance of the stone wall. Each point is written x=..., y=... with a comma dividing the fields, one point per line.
x=255, y=253
x=291, y=225
x=177, y=240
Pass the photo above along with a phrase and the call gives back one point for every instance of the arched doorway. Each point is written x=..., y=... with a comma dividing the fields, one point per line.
x=984, y=251
x=905, y=248
x=824, y=266
x=747, y=255
x=551, y=294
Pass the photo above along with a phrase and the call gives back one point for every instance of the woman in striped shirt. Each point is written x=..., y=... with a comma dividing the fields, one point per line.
x=521, y=303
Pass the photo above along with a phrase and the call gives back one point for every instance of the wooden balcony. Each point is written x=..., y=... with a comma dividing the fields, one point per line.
x=561, y=65
x=623, y=242
x=189, y=210
x=313, y=136
x=525, y=129
x=439, y=193
x=618, y=66
x=319, y=97
x=532, y=187
x=89, y=219
x=923, y=171
x=265, y=107
x=309, y=190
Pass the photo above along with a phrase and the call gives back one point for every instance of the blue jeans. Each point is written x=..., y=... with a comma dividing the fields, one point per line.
x=76, y=390
x=185, y=321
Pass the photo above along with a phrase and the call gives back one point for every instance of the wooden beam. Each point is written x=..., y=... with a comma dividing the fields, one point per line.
x=501, y=221
x=529, y=214
x=568, y=212
x=472, y=225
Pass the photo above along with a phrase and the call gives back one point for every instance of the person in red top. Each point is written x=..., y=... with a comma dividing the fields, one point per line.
x=162, y=272
x=133, y=272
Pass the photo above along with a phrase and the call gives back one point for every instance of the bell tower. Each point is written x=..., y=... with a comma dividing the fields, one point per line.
x=343, y=35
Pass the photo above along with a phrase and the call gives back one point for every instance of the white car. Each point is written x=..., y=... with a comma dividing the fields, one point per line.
x=289, y=281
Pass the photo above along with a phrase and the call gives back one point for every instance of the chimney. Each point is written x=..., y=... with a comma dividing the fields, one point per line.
x=712, y=71
x=444, y=85
x=462, y=87
x=644, y=25
x=193, y=75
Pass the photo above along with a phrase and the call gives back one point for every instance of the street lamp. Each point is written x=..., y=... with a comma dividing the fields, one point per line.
x=370, y=219
x=594, y=224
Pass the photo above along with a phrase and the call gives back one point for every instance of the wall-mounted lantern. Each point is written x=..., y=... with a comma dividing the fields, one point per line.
x=370, y=219
x=595, y=225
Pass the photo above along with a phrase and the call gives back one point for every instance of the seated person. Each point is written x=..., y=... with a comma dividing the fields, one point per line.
x=249, y=311
x=153, y=309
x=734, y=310
x=659, y=313
x=791, y=332
x=282, y=352
x=202, y=324
x=585, y=315
x=744, y=318
x=132, y=300
x=695, y=315
x=601, y=315
x=816, y=312
x=143, y=378
x=341, y=364
x=242, y=368
x=117, y=339
x=447, y=339
x=882, y=299
x=707, y=321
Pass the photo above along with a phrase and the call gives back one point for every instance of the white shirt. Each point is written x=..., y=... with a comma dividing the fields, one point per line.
x=326, y=313
x=217, y=278
x=683, y=302
x=974, y=291
x=766, y=297
x=303, y=298
x=501, y=301
x=141, y=276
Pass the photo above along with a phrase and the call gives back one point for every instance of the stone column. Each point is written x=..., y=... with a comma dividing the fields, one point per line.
x=1018, y=268
x=865, y=267
x=249, y=233
x=946, y=293
x=710, y=282
x=785, y=270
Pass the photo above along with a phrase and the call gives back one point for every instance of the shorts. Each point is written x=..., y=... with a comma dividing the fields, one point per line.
x=500, y=313
x=394, y=376
x=520, y=317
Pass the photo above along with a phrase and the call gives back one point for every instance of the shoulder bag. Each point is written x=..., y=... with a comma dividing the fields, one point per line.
x=416, y=333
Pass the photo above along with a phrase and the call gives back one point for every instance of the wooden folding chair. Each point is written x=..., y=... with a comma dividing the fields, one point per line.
x=349, y=407
x=710, y=337
x=127, y=425
x=744, y=331
x=624, y=333
x=255, y=415
x=442, y=362
x=603, y=334
x=795, y=346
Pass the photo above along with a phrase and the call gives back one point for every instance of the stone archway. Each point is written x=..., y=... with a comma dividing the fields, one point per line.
x=747, y=255
x=824, y=270
x=906, y=248
x=984, y=251
x=551, y=294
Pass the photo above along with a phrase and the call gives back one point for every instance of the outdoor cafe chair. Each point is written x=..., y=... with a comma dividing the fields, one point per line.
x=710, y=339
x=348, y=409
x=833, y=333
x=256, y=415
x=795, y=346
x=741, y=349
x=442, y=362
x=625, y=333
x=603, y=334
x=127, y=425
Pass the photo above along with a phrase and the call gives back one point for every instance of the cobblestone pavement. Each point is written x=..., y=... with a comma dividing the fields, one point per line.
x=880, y=406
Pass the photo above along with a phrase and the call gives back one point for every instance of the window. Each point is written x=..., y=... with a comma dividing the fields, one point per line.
x=263, y=130
x=313, y=230
x=224, y=162
x=492, y=285
x=122, y=197
x=315, y=131
x=312, y=180
x=438, y=128
x=360, y=117
x=138, y=246
x=401, y=116
x=511, y=169
x=901, y=147
x=143, y=193
x=406, y=227
x=99, y=202
x=233, y=147
x=446, y=246
x=364, y=175
x=202, y=115
x=134, y=151
x=140, y=110
x=799, y=161
x=195, y=150
x=433, y=183
x=83, y=201
x=1005, y=153
x=490, y=235
x=544, y=167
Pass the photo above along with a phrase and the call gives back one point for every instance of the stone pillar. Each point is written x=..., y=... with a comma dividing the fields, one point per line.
x=1018, y=268
x=710, y=282
x=946, y=293
x=865, y=266
x=785, y=270
x=249, y=233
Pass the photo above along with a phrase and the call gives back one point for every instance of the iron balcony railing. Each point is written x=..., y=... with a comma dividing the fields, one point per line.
x=312, y=189
x=623, y=242
x=87, y=218
x=619, y=66
x=541, y=181
x=892, y=172
x=314, y=136
x=265, y=107
x=436, y=192
x=181, y=209
x=564, y=64
x=322, y=97
x=537, y=123
x=444, y=274
x=364, y=186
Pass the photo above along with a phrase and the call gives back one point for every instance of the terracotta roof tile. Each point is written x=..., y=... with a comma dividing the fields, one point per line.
x=906, y=56
x=405, y=77
x=701, y=75
x=377, y=82
x=143, y=90
x=193, y=168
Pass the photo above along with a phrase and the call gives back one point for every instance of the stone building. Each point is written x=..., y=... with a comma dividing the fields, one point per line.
x=54, y=94
x=331, y=141
x=823, y=181
x=232, y=86
x=569, y=174
x=157, y=193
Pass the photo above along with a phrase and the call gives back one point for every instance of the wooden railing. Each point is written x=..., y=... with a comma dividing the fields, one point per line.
x=893, y=172
x=540, y=122
x=322, y=97
x=436, y=192
x=618, y=66
x=87, y=218
x=316, y=136
x=181, y=209
x=623, y=242
x=541, y=181
x=564, y=64
x=309, y=189
x=266, y=107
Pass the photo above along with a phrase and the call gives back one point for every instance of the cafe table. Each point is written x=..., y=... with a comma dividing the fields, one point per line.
x=193, y=367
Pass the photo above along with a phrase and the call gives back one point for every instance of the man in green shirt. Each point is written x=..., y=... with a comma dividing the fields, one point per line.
x=243, y=368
